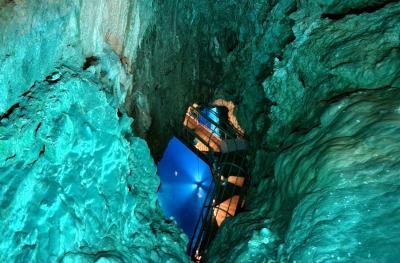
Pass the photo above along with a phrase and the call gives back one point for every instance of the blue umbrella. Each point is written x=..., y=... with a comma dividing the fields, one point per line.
x=185, y=180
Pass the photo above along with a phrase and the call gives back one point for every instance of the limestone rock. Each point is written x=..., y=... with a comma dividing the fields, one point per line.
x=329, y=160
x=342, y=178
x=314, y=85
x=35, y=37
x=76, y=185
x=328, y=58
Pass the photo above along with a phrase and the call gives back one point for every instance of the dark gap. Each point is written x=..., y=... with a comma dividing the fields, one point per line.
x=53, y=78
x=231, y=41
x=26, y=93
x=42, y=150
x=10, y=111
x=11, y=157
x=302, y=80
x=90, y=61
x=264, y=73
x=347, y=94
x=290, y=39
x=32, y=163
x=356, y=11
x=37, y=128
x=300, y=130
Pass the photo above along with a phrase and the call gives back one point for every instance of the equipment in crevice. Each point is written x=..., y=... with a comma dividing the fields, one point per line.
x=214, y=139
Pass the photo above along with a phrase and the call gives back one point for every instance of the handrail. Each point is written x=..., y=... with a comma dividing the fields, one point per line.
x=205, y=116
x=204, y=229
x=222, y=165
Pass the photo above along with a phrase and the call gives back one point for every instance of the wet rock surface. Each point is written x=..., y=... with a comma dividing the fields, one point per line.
x=325, y=142
x=329, y=58
x=334, y=193
x=314, y=84
x=76, y=185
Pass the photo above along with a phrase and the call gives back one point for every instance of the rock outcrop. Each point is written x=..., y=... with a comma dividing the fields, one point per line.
x=325, y=146
x=334, y=193
x=76, y=185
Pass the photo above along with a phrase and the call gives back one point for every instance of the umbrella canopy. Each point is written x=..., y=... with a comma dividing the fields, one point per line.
x=185, y=180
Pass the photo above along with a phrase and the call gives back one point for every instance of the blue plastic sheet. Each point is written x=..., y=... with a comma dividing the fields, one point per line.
x=185, y=179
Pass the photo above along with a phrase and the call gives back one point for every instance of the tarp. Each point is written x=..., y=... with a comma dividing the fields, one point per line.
x=185, y=180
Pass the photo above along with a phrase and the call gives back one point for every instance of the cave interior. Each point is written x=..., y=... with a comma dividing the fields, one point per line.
x=211, y=131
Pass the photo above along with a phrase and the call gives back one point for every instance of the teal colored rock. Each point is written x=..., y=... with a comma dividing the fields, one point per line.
x=76, y=185
x=342, y=181
x=36, y=36
x=334, y=194
x=326, y=60
x=315, y=87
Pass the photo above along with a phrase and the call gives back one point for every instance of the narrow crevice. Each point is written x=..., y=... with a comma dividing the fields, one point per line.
x=357, y=11
x=37, y=128
x=10, y=111
x=119, y=113
x=42, y=150
x=11, y=157
x=90, y=61
x=54, y=77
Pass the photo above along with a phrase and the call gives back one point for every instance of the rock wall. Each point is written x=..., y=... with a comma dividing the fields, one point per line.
x=329, y=57
x=343, y=179
x=76, y=185
x=314, y=84
x=38, y=36
x=325, y=142
x=174, y=70
x=35, y=38
x=334, y=193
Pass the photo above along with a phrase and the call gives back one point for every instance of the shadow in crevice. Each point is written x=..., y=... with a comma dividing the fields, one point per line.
x=357, y=11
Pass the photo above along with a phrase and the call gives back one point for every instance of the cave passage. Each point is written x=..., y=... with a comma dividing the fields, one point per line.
x=185, y=180
x=202, y=175
x=281, y=118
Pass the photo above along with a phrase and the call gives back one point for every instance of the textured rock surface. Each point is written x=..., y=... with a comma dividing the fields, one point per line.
x=27, y=52
x=174, y=69
x=342, y=178
x=75, y=184
x=333, y=155
x=326, y=59
x=37, y=36
x=314, y=86
x=335, y=191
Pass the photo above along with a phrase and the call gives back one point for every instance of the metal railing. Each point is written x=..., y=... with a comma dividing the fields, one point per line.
x=225, y=196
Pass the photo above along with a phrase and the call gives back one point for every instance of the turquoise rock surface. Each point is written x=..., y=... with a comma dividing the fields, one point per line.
x=76, y=185
x=315, y=87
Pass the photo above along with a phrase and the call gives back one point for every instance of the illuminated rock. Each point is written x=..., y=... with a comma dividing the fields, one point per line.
x=37, y=36
x=76, y=185
x=343, y=178
x=325, y=60
x=322, y=174
x=335, y=192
